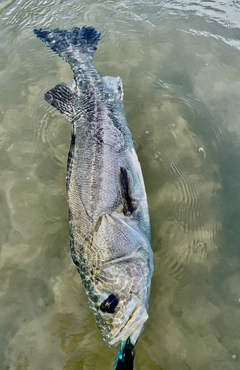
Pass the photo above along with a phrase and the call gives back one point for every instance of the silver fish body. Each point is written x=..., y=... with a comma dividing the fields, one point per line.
x=108, y=210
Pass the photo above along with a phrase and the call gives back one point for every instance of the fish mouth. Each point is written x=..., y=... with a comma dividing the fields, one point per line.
x=131, y=326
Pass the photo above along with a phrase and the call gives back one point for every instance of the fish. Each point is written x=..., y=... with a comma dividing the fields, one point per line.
x=109, y=224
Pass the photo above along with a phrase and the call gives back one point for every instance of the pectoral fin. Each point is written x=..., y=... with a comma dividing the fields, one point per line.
x=128, y=201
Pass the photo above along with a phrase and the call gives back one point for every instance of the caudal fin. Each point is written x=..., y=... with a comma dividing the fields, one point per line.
x=70, y=45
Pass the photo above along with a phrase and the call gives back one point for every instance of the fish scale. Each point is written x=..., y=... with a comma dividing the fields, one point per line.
x=107, y=203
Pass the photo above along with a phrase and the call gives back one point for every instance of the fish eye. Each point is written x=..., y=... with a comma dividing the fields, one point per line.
x=109, y=304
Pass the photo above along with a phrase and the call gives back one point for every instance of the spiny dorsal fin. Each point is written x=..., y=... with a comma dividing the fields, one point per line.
x=129, y=203
x=62, y=97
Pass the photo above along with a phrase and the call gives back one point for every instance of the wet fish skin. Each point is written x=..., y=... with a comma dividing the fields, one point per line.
x=108, y=210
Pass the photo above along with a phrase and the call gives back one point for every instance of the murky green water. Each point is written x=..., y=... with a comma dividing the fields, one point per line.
x=179, y=61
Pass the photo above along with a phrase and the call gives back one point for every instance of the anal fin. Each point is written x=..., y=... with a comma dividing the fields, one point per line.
x=114, y=84
x=62, y=97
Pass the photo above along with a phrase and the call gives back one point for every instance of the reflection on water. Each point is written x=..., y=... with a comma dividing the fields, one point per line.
x=180, y=68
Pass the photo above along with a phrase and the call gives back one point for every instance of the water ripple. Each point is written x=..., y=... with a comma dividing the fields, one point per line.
x=223, y=12
x=28, y=13
x=228, y=41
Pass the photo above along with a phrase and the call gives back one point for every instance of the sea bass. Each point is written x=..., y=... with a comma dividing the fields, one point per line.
x=108, y=210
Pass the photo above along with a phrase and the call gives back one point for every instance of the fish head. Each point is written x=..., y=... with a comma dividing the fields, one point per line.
x=122, y=299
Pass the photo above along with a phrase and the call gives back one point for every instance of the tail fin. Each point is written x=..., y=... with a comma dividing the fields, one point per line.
x=69, y=45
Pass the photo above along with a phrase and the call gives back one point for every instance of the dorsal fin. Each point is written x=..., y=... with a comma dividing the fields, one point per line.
x=129, y=203
x=62, y=97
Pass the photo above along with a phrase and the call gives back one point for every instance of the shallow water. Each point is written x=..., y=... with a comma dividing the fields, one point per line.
x=179, y=62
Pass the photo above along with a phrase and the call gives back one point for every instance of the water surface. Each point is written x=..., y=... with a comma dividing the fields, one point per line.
x=179, y=62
